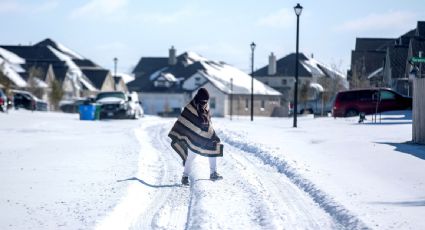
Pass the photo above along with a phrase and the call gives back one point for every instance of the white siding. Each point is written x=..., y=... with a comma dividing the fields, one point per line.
x=194, y=81
x=154, y=103
x=221, y=102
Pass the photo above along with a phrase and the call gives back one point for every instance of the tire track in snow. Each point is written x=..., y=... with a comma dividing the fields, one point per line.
x=154, y=199
x=291, y=208
x=207, y=208
x=258, y=197
x=343, y=217
x=169, y=208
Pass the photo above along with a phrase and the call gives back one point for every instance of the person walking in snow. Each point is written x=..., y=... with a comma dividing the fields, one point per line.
x=193, y=134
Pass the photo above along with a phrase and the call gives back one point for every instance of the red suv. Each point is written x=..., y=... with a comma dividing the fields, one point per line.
x=352, y=102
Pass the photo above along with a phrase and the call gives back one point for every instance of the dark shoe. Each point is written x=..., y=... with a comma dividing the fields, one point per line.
x=215, y=176
x=185, y=180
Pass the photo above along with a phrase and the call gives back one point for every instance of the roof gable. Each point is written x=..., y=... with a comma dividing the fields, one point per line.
x=33, y=53
x=96, y=76
x=148, y=65
x=367, y=44
x=417, y=45
x=420, y=29
x=398, y=57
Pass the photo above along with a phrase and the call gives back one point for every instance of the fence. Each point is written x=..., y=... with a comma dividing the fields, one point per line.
x=418, y=131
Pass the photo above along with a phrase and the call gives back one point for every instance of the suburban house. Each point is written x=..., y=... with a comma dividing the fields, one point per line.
x=280, y=75
x=367, y=60
x=166, y=85
x=37, y=66
x=384, y=62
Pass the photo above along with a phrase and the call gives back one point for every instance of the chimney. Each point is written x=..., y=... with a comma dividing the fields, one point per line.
x=272, y=64
x=172, y=60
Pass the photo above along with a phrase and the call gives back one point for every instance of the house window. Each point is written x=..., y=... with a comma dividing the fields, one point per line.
x=284, y=82
x=246, y=104
x=262, y=105
x=212, y=103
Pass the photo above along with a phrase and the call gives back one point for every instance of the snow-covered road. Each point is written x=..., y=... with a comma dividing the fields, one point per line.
x=58, y=172
x=252, y=195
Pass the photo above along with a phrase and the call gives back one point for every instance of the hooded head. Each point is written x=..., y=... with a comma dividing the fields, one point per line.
x=202, y=96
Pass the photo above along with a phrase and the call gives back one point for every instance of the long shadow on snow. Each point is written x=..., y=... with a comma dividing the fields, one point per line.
x=416, y=203
x=408, y=148
x=151, y=185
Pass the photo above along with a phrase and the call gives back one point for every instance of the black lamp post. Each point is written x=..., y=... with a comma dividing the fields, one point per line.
x=298, y=9
x=252, y=80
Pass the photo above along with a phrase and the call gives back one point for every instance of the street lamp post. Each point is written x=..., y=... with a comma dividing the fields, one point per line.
x=252, y=80
x=298, y=9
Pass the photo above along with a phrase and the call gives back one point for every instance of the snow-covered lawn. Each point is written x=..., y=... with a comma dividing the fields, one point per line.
x=58, y=172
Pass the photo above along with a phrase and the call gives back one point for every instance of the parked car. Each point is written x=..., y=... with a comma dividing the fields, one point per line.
x=368, y=101
x=3, y=101
x=117, y=104
x=26, y=100
x=315, y=106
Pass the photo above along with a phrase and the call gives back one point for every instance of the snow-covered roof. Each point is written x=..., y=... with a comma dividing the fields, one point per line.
x=11, y=57
x=193, y=57
x=74, y=73
x=220, y=75
x=169, y=77
x=157, y=73
x=126, y=77
x=40, y=83
x=11, y=73
x=312, y=66
x=317, y=86
x=60, y=47
x=332, y=72
x=375, y=73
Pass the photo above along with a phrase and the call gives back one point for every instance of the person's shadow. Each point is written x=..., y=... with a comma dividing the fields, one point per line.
x=151, y=185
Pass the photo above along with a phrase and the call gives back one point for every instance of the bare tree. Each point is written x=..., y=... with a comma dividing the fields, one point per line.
x=331, y=86
x=358, y=75
x=35, y=74
x=304, y=93
x=56, y=94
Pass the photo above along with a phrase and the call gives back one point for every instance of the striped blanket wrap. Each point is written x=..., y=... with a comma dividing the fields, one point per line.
x=190, y=132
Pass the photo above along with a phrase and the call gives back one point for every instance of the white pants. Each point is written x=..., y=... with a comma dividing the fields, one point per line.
x=191, y=156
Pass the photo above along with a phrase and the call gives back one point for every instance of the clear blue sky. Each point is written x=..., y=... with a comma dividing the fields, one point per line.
x=219, y=30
